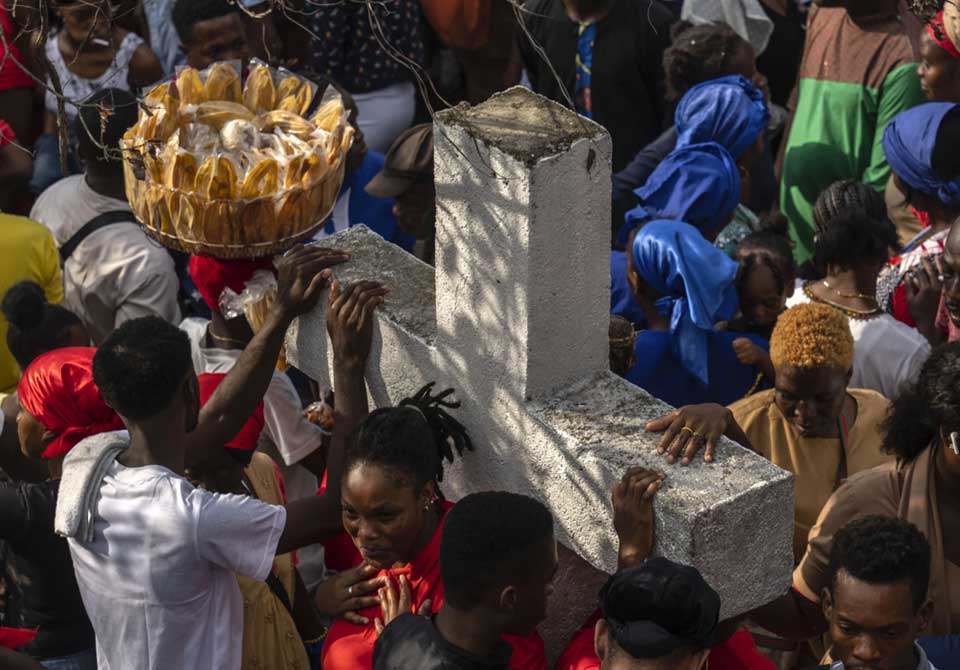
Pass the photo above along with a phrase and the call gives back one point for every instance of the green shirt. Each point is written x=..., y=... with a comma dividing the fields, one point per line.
x=854, y=78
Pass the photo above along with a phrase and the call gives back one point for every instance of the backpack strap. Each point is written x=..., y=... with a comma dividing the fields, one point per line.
x=93, y=225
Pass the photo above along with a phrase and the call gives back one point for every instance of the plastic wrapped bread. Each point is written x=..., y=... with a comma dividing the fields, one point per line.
x=235, y=171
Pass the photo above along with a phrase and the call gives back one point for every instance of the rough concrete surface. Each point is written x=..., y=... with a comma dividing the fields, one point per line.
x=520, y=303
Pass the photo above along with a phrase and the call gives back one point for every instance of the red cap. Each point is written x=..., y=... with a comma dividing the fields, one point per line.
x=57, y=388
x=212, y=275
x=246, y=439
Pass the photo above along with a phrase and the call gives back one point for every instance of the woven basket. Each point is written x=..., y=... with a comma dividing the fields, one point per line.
x=188, y=222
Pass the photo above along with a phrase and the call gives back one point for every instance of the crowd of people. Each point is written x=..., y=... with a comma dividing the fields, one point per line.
x=784, y=271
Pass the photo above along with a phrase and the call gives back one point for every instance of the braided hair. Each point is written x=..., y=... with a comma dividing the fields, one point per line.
x=698, y=53
x=852, y=226
x=414, y=438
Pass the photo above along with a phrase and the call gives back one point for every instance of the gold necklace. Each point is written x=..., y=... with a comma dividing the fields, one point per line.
x=862, y=296
x=850, y=312
x=227, y=340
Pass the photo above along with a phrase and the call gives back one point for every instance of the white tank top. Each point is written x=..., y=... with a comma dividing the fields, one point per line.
x=79, y=88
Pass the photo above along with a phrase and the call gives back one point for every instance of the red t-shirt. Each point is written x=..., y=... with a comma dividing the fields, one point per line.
x=350, y=647
x=737, y=653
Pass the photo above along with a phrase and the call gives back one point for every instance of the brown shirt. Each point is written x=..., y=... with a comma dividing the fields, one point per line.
x=907, y=491
x=814, y=461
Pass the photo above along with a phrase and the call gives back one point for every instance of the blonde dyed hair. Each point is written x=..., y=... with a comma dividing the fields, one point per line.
x=812, y=335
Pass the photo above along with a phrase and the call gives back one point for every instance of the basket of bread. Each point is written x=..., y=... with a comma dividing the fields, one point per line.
x=235, y=171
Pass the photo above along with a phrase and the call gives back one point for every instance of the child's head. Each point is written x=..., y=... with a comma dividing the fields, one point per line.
x=762, y=290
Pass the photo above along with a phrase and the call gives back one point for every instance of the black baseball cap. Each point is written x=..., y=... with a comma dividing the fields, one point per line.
x=409, y=160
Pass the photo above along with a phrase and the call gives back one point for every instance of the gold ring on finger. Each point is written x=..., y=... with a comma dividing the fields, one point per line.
x=689, y=430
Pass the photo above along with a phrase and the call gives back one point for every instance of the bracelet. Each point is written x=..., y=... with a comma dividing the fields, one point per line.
x=318, y=639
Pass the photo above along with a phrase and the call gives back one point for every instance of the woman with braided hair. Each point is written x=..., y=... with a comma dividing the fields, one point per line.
x=393, y=511
x=852, y=243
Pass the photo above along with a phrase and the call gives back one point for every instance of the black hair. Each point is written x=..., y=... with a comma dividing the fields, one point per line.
x=925, y=9
x=413, y=438
x=773, y=243
x=187, y=13
x=100, y=124
x=698, y=53
x=34, y=326
x=928, y=407
x=485, y=542
x=852, y=226
x=141, y=365
x=751, y=262
x=945, y=159
x=882, y=550
x=622, y=340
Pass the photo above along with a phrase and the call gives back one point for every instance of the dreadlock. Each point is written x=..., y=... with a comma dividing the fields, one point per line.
x=698, y=53
x=415, y=437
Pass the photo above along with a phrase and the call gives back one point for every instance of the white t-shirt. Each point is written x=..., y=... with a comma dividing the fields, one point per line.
x=117, y=273
x=159, y=579
x=886, y=352
x=288, y=437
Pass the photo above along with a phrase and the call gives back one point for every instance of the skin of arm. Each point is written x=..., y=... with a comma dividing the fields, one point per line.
x=791, y=616
x=303, y=273
x=145, y=67
x=350, y=323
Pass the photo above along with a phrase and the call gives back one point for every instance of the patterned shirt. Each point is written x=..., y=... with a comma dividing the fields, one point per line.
x=348, y=39
x=581, y=96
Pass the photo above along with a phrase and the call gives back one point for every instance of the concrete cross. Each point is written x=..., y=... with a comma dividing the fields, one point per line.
x=515, y=317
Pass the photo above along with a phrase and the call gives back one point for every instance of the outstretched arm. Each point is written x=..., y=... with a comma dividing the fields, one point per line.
x=350, y=324
x=302, y=276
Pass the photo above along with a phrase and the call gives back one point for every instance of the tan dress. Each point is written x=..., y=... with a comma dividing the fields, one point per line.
x=270, y=638
x=907, y=491
x=814, y=462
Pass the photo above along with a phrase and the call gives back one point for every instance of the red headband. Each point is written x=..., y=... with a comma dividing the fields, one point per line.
x=58, y=389
x=938, y=31
x=246, y=439
x=212, y=275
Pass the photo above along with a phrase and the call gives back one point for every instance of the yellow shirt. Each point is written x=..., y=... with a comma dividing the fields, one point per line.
x=270, y=638
x=28, y=252
x=814, y=461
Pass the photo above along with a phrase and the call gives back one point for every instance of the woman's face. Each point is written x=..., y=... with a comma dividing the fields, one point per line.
x=85, y=21
x=34, y=437
x=761, y=301
x=811, y=398
x=939, y=72
x=383, y=513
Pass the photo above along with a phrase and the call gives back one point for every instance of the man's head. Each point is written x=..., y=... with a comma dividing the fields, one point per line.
x=144, y=370
x=877, y=602
x=407, y=177
x=587, y=11
x=498, y=554
x=623, y=338
x=659, y=610
x=812, y=351
x=950, y=263
x=210, y=31
x=103, y=119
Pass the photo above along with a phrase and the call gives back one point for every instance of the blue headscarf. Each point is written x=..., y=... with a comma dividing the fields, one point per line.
x=730, y=111
x=698, y=184
x=697, y=281
x=908, y=143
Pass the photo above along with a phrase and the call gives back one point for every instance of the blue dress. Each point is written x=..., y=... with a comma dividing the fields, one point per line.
x=659, y=372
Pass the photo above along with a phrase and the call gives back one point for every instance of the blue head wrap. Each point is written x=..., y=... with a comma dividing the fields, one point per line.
x=697, y=281
x=730, y=111
x=908, y=143
x=698, y=184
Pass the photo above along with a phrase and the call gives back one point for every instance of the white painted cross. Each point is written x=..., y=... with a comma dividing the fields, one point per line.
x=515, y=317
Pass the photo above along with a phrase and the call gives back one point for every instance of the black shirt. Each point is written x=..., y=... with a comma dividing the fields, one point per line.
x=39, y=561
x=412, y=641
x=627, y=75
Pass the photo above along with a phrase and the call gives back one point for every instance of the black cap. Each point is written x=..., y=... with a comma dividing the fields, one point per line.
x=659, y=607
x=409, y=160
